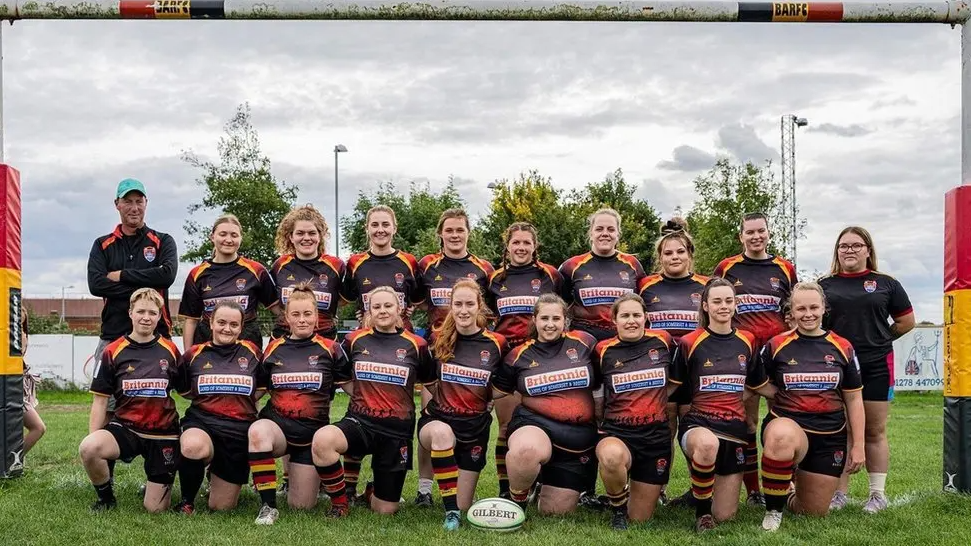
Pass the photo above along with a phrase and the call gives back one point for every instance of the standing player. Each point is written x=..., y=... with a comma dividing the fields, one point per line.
x=717, y=366
x=437, y=275
x=635, y=443
x=552, y=434
x=762, y=283
x=818, y=381
x=512, y=293
x=132, y=256
x=384, y=363
x=454, y=427
x=863, y=302
x=223, y=379
x=302, y=367
x=138, y=371
x=32, y=421
x=226, y=276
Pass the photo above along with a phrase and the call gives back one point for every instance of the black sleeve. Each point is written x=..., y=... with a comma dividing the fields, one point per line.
x=852, y=381
x=899, y=300
x=566, y=287
x=182, y=382
x=505, y=378
x=263, y=374
x=426, y=366
x=343, y=367
x=756, y=373
x=679, y=364
x=267, y=295
x=104, y=378
x=191, y=303
x=348, y=289
x=98, y=283
x=160, y=276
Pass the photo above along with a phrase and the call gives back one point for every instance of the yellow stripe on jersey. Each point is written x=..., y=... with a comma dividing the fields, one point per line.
x=789, y=339
x=703, y=336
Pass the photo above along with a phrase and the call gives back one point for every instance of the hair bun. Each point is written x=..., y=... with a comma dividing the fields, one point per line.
x=674, y=225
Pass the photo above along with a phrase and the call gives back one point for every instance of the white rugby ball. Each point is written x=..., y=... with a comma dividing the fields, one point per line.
x=496, y=514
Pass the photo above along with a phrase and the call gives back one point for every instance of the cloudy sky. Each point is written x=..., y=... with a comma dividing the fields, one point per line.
x=88, y=103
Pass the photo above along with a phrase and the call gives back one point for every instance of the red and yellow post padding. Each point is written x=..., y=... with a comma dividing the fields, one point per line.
x=11, y=302
x=957, y=292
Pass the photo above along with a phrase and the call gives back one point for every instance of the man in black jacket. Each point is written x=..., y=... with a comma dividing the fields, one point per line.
x=132, y=256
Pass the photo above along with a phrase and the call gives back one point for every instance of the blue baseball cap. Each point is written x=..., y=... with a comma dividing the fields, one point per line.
x=129, y=185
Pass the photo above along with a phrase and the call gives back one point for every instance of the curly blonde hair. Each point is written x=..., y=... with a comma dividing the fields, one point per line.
x=306, y=213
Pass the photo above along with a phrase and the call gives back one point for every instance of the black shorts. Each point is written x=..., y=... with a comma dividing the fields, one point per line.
x=298, y=434
x=826, y=454
x=390, y=456
x=471, y=445
x=230, y=444
x=877, y=379
x=574, y=461
x=161, y=456
x=730, y=458
x=650, y=452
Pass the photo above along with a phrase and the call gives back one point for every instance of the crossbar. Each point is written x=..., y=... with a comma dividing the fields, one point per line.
x=947, y=12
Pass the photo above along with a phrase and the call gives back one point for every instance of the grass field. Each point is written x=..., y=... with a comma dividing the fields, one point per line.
x=50, y=504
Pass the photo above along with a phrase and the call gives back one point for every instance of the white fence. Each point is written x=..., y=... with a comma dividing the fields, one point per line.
x=68, y=360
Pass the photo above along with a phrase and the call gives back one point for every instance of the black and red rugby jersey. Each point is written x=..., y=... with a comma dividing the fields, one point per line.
x=465, y=380
x=716, y=369
x=365, y=272
x=438, y=274
x=384, y=368
x=858, y=308
x=512, y=293
x=555, y=378
x=244, y=281
x=592, y=283
x=811, y=373
x=140, y=377
x=636, y=376
x=761, y=288
x=223, y=380
x=302, y=373
x=324, y=273
x=672, y=304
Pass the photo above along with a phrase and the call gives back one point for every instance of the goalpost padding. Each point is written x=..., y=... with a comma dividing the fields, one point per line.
x=957, y=340
x=12, y=361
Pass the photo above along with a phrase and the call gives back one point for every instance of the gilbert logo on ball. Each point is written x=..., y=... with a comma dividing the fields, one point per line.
x=496, y=514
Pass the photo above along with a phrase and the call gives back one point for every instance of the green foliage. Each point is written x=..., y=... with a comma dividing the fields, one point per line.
x=241, y=184
x=46, y=324
x=725, y=194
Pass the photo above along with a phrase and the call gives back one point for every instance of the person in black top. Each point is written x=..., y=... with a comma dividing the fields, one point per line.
x=862, y=303
x=138, y=371
x=385, y=361
x=717, y=365
x=817, y=378
x=635, y=443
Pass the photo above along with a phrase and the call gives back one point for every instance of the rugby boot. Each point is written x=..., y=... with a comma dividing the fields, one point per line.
x=705, y=523
x=424, y=500
x=839, y=501
x=267, y=516
x=875, y=503
x=339, y=511
x=755, y=498
x=453, y=519
x=618, y=522
x=103, y=506
x=686, y=500
x=772, y=520
x=184, y=508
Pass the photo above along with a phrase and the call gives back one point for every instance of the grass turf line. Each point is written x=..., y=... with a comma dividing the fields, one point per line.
x=50, y=503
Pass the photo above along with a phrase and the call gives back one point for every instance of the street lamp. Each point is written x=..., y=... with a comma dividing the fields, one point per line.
x=789, y=124
x=63, y=301
x=337, y=219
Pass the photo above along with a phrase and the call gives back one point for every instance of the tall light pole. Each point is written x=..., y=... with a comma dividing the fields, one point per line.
x=64, y=301
x=337, y=219
x=788, y=125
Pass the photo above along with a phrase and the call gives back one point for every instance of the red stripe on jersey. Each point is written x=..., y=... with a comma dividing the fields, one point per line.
x=116, y=347
x=280, y=262
x=198, y=270
x=170, y=346
x=274, y=343
x=786, y=339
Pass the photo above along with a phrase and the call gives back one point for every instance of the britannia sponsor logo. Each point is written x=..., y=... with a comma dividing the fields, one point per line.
x=323, y=298
x=673, y=320
x=636, y=381
x=366, y=300
x=376, y=372
x=602, y=295
x=216, y=383
x=310, y=381
x=821, y=381
x=756, y=303
x=722, y=383
x=516, y=305
x=145, y=388
x=463, y=375
x=441, y=297
x=564, y=380
x=209, y=304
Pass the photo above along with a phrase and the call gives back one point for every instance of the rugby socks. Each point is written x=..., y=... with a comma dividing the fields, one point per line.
x=878, y=483
x=111, y=470
x=447, y=475
x=334, y=479
x=619, y=501
x=519, y=497
x=702, y=486
x=191, y=474
x=352, y=467
x=501, y=451
x=776, y=477
x=105, y=492
x=263, y=467
x=751, y=468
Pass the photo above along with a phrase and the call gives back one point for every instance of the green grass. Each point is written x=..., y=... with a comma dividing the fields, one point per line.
x=49, y=504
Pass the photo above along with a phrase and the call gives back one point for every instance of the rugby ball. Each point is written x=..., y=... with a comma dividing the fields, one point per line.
x=496, y=514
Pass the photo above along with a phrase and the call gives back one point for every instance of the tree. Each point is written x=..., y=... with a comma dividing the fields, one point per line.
x=241, y=184
x=725, y=194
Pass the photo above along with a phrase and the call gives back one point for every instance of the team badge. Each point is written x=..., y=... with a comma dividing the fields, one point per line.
x=404, y=453
x=312, y=361
x=696, y=298
x=149, y=253
x=164, y=364
x=400, y=354
x=571, y=353
x=584, y=459
x=471, y=276
x=742, y=361
x=168, y=453
x=399, y=279
x=624, y=276
x=484, y=357
x=662, y=465
x=830, y=360
x=323, y=278
x=654, y=355
x=240, y=284
x=740, y=455
x=243, y=362
x=475, y=452
x=536, y=284
x=774, y=282
x=870, y=286
x=838, y=457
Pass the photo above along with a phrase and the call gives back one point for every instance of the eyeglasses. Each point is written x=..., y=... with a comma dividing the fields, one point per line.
x=854, y=247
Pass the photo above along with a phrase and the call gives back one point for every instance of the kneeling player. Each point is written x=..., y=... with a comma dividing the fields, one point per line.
x=635, y=442
x=138, y=371
x=384, y=363
x=454, y=427
x=819, y=386
x=302, y=366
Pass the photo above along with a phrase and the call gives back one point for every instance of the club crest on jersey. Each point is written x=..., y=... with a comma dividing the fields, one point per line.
x=400, y=354
x=624, y=276
x=740, y=455
x=404, y=453
x=654, y=355
x=484, y=357
x=584, y=459
x=696, y=298
x=399, y=279
x=742, y=361
x=149, y=253
x=323, y=278
x=837, y=457
x=164, y=364
x=240, y=284
x=870, y=286
x=243, y=362
x=536, y=284
x=661, y=466
x=312, y=361
x=475, y=452
x=774, y=283
x=168, y=453
x=571, y=353
x=830, y=360
x=471, y=276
